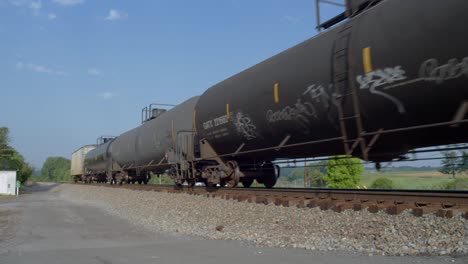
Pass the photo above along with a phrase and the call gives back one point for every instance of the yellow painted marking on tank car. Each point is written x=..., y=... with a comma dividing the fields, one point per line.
x=276, y=92
x=195, y=121
x=366, y=59
x=227, y=111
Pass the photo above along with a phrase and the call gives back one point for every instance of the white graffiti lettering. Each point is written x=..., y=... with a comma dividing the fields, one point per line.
x=300, y=112
x=318, y=94
x=431, y=71
x=245, y=126
x=379, y=78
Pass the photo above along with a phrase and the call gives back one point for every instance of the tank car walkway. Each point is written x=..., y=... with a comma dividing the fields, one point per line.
x=43, y=228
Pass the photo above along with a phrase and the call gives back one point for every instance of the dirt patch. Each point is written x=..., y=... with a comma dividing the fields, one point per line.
x=30, y=183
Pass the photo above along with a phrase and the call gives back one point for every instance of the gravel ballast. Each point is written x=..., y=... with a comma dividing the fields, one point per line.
x=277, y=226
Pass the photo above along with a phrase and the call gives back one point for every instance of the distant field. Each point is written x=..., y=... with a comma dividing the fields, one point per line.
x=411, y=179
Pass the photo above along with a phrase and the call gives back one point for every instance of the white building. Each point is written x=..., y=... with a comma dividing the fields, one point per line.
x=8, y=182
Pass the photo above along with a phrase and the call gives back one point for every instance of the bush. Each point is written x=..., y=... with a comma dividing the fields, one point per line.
x=458, y=184
x=382, y=183
x=343, y=172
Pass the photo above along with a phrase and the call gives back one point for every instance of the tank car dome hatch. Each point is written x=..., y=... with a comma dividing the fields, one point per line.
x=155, y=112
x=104, y=139
x=150, y=112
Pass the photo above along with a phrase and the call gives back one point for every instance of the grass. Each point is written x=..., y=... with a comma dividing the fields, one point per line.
x=6, y=196
x=411, y=179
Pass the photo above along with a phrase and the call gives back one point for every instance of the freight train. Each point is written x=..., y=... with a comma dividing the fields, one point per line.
x=391, y=77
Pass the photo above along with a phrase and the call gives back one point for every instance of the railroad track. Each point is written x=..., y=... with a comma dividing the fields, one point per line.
x=419, y=202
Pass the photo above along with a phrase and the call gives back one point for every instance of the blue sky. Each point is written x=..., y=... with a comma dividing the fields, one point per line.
x=72, y=70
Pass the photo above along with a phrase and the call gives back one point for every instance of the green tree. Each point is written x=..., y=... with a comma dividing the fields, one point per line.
x=450, y=164
x=5, y=150
x=10, y=159
x=3, y=138
x=343, y=172
x=382, y=183
x=463, y=166
x=56, y=169
x=315, y=174
x=295, y=175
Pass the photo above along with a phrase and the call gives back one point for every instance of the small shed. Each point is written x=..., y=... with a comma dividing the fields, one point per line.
x=8, y=182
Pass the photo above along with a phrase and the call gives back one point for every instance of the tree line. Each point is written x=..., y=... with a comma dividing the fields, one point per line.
x=55, y=169
x=346, y=172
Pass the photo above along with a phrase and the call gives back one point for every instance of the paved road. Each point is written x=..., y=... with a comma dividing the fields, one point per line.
x=50, y=230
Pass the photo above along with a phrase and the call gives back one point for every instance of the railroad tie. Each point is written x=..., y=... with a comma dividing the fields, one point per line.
x=445, y=213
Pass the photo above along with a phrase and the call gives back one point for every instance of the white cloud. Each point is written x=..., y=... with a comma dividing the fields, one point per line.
x=39, y=69
x=106, y=95
x=19, y=65
x=115, y=14
x=51, y=16
x=291, y=19
x=94, y=71
x=18, y=2
x=68, y=2
x=36, y=6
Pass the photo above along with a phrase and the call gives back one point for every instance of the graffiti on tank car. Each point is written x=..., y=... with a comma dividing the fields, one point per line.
x=430, y=70
x=378, y=78
x=323, y=96
x=244, y=126
x=381, y=77
x=300, y=112
x=318, y=94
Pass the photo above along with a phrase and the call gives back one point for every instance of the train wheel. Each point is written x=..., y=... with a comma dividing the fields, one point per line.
x=140, y=181
x=270, y=182
x=270, y=174
x=233, y=179
x=247, y=183
x=179, y=183
x=210, y=184
x=191, y=182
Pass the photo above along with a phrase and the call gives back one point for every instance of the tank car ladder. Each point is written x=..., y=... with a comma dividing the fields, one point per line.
x=345, y=88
